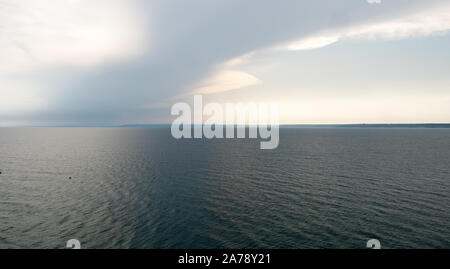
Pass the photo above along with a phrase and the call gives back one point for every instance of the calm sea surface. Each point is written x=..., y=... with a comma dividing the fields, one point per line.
x=140, y=188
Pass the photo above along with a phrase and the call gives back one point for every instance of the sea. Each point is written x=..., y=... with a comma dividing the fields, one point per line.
x=141, y=188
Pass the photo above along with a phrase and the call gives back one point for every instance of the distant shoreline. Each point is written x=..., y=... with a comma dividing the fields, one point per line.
x=381, y=125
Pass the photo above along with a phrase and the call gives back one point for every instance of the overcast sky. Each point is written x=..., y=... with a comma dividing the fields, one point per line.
x=103, y=62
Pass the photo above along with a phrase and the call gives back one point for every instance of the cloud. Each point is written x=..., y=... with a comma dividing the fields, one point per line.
x=425, y=23
x=60, y=32
x=314, y=42
x=239, y=61
x=103, y=61
x=227, y=80
x=19, y=97
x=431, y=21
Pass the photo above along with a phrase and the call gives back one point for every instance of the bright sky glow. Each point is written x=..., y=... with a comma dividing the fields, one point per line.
x=127, y=61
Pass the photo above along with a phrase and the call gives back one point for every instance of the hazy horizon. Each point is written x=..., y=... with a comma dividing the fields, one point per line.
x=75, y=62
x=306, y=125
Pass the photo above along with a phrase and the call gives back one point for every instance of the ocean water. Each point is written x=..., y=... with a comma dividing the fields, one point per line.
x=140, y=188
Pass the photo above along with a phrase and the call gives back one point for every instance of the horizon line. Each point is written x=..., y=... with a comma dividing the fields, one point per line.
x=295, y=125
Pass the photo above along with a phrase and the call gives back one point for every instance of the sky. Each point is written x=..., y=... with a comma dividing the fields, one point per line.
x=112, y=62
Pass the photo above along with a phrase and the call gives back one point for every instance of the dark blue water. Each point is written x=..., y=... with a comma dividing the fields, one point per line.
x=140, y=188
